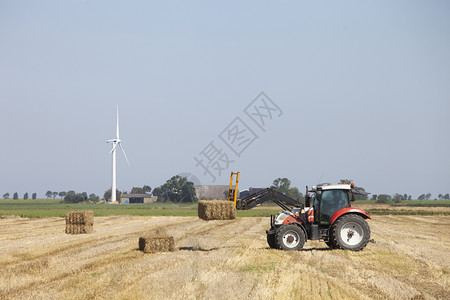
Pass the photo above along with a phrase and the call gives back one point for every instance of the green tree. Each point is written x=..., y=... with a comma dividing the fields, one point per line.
x=158, y=193
x=421, y=197
x=147, y=189
x=48, y=194
x=283, y=185
x=374, y=197
x=397, y=198
x=15, y=196
x=383, y=198
x=137, y=190
x=25, y=196
x=188, y=192
x=446, y=196
x=143, y=190
x=428, y=196
x=73, y=198
x=34, y=196
x=176, y=189
x=54, y=194
x=6, y=196
x=85, y=196
x=107, y=195
x=62, y=194
x=93, y=198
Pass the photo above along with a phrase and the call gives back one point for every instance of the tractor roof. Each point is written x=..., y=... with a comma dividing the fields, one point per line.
x=328, y=186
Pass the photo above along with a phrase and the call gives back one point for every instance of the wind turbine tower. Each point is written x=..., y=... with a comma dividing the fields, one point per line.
x=114, y=143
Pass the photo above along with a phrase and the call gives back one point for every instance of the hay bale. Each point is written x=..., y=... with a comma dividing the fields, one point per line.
x=216, y=210
x=78, y=222
x=79, y=228
x=80, y=217
x=156, y=241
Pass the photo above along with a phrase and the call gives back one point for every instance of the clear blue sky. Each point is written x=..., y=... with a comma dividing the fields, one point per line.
x=363, y=88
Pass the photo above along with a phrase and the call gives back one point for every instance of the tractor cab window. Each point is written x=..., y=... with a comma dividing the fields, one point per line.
x=332, y=201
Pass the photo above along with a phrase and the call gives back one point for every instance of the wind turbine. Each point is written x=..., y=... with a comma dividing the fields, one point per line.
x=115, y=142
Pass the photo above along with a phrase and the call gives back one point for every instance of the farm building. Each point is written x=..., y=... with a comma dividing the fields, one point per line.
x=211, y=192
x=138, y=198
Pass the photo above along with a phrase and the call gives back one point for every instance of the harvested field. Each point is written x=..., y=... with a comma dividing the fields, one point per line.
x=220, y=260
x=216, y=210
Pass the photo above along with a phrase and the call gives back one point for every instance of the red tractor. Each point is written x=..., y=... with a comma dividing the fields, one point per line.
x=327, y=216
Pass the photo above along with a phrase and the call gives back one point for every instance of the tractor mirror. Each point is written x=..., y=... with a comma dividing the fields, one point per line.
x=308, y=201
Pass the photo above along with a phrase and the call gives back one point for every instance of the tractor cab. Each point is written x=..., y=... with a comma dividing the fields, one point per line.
x=326, y=199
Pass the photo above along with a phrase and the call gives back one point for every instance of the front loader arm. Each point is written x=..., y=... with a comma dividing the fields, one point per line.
x=268, y=194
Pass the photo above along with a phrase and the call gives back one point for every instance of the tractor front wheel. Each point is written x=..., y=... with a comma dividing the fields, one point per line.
x=272, y=239
x=350, y=232
x=290, y=237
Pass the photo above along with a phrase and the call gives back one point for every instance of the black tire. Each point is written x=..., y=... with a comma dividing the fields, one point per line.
x=350, y=232
x=331, y=243
x=290, y=237
x=272, y=240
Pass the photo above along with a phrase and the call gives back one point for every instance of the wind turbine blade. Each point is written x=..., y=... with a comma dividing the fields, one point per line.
x=113, y=148
x=117, y=130
x=120, y=144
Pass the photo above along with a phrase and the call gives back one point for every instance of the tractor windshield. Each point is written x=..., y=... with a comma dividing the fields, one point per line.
x=332, y=201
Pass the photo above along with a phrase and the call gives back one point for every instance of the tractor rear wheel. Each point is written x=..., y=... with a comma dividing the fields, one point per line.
x=350, y=232
x=272, y=239
x=290, y=237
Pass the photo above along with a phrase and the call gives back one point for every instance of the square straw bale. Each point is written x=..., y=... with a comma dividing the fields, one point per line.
x=157, y=241
x=216, y=210
x=79, y=228
x=78, y=222
x=80, y=217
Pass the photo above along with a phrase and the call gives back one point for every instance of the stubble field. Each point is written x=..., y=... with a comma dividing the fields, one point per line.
x=220, y=260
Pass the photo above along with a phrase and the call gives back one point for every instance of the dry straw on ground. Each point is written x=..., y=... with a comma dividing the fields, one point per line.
x=78, y=222
x=220, y=260
x=156, y=241
x=216, y=210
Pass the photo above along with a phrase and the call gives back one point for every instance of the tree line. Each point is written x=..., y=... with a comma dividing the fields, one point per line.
x=284, y=185
x=178, y=189
x=398, y=198
x=16, y=196
x=69, y=196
